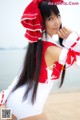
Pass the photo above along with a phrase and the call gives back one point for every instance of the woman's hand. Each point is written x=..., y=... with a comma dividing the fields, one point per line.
x=64, y=32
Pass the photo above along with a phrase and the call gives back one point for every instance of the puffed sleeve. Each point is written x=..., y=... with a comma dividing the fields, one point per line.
x=71, y=51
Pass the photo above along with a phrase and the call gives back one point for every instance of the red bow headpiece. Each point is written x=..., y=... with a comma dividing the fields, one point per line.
x=32, y=20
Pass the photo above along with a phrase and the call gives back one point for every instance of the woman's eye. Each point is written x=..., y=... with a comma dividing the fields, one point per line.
x=58, y=15
x=50, y=18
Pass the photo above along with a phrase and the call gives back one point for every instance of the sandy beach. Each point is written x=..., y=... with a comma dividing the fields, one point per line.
x=62, y=106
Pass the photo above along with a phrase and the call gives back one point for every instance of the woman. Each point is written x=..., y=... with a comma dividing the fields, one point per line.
x=51, y=49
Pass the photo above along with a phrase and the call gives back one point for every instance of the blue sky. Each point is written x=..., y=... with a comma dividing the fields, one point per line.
x=11, y=30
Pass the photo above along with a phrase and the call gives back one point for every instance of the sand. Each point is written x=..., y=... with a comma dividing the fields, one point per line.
x=63, y=106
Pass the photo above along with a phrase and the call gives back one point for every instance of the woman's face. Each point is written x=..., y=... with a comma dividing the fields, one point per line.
x=52, y=24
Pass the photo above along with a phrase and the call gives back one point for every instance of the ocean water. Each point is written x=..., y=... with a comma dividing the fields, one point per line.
x=11, y=61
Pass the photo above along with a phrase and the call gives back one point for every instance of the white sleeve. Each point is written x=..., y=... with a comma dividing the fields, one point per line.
x=72, y=40
x=63, y=56
x=5, y=93
x=71, y=50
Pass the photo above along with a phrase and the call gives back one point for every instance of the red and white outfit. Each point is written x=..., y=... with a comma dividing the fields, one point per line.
x=70, y=54
x=32, y=21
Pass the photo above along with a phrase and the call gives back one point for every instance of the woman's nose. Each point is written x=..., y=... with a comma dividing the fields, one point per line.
x=56, y=21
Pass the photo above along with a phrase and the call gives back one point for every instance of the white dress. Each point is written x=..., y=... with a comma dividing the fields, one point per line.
x=26, y=109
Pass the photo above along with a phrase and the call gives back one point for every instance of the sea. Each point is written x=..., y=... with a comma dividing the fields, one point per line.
x=11, y=61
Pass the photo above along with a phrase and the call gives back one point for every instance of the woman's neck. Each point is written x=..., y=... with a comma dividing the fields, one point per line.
x=48, y=38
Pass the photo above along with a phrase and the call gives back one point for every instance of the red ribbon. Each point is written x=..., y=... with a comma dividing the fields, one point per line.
x=32, y=20
x=71, y=57
x=75, y=43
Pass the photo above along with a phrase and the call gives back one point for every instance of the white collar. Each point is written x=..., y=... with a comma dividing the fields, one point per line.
x=54, y=39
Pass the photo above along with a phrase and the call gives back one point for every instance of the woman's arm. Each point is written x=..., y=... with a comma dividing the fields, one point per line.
x=5, y=93
x=70, y=53
x=71, y=39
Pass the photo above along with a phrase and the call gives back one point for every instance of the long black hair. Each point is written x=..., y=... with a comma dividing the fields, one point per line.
x=30, y=72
